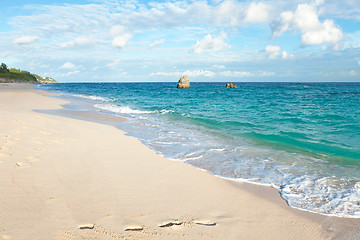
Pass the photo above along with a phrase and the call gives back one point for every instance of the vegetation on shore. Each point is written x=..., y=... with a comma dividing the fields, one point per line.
x=17, y=75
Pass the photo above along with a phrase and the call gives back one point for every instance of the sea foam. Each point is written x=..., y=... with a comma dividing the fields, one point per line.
x=93, y=97
x=121, y=109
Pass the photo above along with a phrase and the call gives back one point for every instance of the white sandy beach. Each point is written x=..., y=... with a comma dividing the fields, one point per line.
x=57, y=173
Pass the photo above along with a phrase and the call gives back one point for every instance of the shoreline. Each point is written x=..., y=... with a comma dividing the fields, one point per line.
x=86, y=109
x=240, y=210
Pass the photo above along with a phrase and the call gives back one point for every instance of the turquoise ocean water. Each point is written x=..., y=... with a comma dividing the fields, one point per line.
x=302, y=138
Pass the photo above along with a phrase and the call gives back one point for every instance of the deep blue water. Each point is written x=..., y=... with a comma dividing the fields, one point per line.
x=303, y=138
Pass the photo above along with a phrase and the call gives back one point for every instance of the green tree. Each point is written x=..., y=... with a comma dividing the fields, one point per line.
x=4, y=68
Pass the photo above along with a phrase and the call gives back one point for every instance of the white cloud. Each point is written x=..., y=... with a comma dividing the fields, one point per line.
x=306, y=19
x=327, y=33
x=50, y=20
x=72, y=73
x=79, y=41
x=116, y=18
x=25, y=39
x=272, y=51
x=351, y=40
x=201, y=72
x=236, y=74
x=246, y=74
x=257, y=12
x=193, y=73
x=353, y=73
x=6, y=54
x=110, y=23
x=264, y=74
x=210, y=44
x=228, y=12
x=117, y=30
x=205, y=73
x=67, y=65
x=121, y=41
x=114, y=65
x=156, y=43
x=167, y=74
x=345, y=9
x=359, y=62
x=58, y=74
x=218, y=66
x=285, y=55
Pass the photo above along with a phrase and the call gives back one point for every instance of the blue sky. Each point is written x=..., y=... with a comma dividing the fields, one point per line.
x=230, y=40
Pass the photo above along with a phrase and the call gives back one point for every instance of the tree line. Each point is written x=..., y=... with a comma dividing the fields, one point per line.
x=17, y=75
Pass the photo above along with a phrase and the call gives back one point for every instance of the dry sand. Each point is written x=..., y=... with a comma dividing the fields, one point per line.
x=63, y=178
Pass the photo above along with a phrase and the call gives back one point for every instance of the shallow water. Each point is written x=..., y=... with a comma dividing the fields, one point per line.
x=302, y=138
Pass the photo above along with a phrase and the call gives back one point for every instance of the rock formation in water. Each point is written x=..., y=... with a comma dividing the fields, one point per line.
x=184, y=82
x=230, y=85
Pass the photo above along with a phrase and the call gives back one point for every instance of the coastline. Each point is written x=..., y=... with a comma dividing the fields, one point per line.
x=64, y=172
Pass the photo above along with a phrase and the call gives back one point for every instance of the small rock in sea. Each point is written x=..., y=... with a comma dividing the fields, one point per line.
x=205, y=222
x=184, y=82
x=230, y=85
x=87, y=226
x=134, y=228
x=170, y=223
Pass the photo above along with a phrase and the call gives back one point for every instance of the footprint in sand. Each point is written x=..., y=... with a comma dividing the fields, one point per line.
x=170, y=223
x=8, y=141
x=204, y=222
x=22, y=165
x=86, y=226
x=134, y=228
